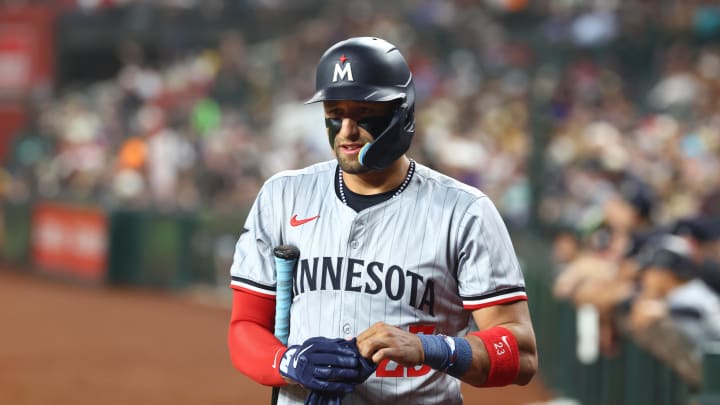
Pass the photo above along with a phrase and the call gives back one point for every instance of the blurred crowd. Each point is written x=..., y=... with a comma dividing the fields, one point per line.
x=625, y=97
x=632, y=200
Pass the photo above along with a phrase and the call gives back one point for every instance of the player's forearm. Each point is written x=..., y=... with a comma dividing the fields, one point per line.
x=528, y=354
x=479, y=369
x=254, y=350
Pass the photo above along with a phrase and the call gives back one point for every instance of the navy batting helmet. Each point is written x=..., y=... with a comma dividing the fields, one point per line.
x=370, y=69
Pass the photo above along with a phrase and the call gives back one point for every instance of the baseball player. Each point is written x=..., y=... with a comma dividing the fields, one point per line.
x=394, y=256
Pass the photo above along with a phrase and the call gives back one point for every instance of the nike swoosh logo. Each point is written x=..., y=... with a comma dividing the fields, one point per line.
x=297, y=357
x=505, y=340
x=294, y=221
x=276, y=357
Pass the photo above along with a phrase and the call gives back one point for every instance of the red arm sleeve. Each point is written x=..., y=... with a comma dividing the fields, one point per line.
x=254, y=350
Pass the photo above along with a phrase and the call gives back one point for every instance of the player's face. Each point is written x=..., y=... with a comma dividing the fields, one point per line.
x=351, y=137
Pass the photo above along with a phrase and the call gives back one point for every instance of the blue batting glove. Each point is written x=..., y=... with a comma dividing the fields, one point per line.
x=324, y=398
x=366, y=367
x=321, y=364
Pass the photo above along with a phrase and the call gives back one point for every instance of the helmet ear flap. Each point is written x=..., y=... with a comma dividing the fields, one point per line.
x=390, y=145
x=409, y=118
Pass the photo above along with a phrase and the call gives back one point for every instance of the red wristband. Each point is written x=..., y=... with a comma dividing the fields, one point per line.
x=504, y=356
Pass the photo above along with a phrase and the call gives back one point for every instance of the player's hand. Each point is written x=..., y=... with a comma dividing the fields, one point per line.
x=321, y=364
x=382, y=341
x=366, y=367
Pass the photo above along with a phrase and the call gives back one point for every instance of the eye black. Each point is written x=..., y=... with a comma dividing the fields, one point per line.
x=334, y=123
x=375, y=125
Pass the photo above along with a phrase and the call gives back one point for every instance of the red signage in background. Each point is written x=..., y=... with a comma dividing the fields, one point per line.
x=17, y=42
x=70, y=241
x=27, y=64
x=12, y=120
x=27, y=53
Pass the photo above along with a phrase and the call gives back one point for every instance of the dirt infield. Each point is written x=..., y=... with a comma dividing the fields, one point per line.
x=68, y=344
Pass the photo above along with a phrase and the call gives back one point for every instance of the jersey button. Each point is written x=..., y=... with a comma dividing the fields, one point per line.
x=354, y=244
x=347, y=331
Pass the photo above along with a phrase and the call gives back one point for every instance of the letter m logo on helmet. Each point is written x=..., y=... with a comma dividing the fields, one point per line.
x=340, y=72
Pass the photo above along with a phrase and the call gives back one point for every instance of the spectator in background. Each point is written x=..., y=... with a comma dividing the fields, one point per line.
x=232, y=86
x=703, y=235
x=566, y=247
x=710, y=274
x=30, y=154
x=670, y=288
x=128, y=179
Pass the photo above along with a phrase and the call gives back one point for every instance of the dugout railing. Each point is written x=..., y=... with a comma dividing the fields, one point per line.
x=175, y=251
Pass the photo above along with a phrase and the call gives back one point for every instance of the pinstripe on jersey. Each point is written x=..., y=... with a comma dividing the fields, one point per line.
x=421, y=261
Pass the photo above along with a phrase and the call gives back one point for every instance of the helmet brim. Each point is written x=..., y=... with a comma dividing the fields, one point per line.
x=357, y=93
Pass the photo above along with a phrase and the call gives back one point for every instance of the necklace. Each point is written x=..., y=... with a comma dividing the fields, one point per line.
x=403, y=186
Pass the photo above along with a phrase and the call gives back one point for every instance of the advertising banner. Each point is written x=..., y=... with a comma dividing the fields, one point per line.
x=70, y=241
x=17, y=42
x=26, y=51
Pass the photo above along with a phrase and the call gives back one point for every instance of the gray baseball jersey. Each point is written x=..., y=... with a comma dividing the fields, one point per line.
x=422, y=261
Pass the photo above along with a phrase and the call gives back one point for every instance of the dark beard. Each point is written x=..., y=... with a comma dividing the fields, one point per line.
x=352, y=166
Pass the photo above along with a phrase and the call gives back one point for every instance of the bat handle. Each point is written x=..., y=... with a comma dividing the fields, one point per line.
x=284, y=272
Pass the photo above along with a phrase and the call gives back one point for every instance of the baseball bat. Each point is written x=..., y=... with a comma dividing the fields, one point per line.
x=286, y=257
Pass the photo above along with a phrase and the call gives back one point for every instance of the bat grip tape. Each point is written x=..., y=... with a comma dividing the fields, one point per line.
x=284, y=270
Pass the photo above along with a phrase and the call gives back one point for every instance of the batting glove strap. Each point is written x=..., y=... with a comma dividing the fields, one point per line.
x=437, y=352
x=462, y=358
x=321, y=364
x=450, y=354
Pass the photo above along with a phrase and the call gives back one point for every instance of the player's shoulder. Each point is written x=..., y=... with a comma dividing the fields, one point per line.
x=309, y=173
x=434, y=178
